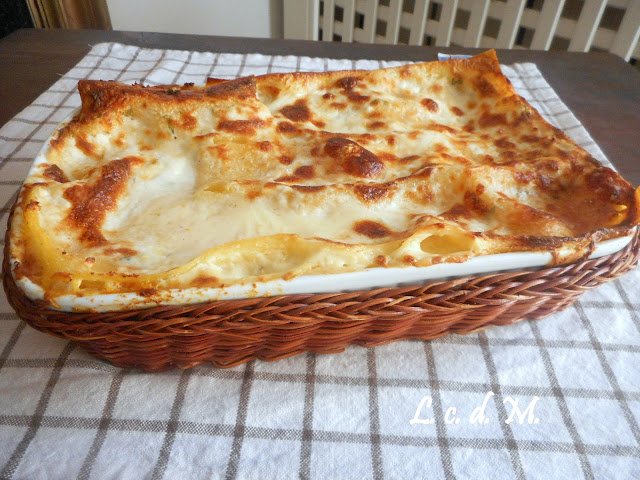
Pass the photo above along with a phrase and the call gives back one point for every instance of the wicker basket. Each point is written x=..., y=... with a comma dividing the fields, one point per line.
x=231, y=332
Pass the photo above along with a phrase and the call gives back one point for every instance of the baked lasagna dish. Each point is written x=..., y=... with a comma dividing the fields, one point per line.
x=150, y=192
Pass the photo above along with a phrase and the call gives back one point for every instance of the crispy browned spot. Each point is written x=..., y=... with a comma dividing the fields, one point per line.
x=318, y=124
x=504, y=143
x=189, y=122
x=370, y=193
x=242, y=88
x=550, y=164
x=381, y=260
x=422, y=194
x=355, y=159
x=219, y=151
x=56, y=143
x=55, y=173
x=475, y=204
x=304, y=172
x=271, y=90
x=405, y=71
x=523, y=117
x=338, y=105
x=590, y=204
x=371, y=229
x=365, y=138
x=469, y=127
x=286, y=127
x=376, y=125
x=492, y=119
x=440, y=148
x=243, y=127
x=120, y=140
x=32, y=205
x=91, y=202
x=347, y=84
x=609, y=186
x=285, y=160
x=565, y=154
x=437, y=127
x=328, y=96
x=430, y=104
x=298, y=112
x=457, y=111
x=530, y=138
x=265, y=146
x=409, y=259
x=387, y=157
x=458, y=211
x=356, y=97
x=485, y=87
x=508, y=155
x=86, y=146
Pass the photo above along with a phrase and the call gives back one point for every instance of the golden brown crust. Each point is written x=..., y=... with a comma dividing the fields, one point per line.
x=281, y=175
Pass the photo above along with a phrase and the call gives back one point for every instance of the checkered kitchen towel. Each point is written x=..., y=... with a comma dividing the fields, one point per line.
x=558, y=398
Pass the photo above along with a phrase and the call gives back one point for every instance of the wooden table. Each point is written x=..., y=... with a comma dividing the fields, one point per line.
x=601, y=89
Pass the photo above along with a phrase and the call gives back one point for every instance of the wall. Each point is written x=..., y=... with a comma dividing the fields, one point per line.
x=238, y=18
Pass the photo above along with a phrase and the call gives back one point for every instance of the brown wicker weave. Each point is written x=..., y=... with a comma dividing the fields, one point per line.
x=230, y=332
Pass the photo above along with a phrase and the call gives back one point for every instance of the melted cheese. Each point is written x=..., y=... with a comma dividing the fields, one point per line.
x=283, y=175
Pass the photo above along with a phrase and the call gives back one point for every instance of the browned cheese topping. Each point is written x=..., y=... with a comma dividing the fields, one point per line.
x=289, y=174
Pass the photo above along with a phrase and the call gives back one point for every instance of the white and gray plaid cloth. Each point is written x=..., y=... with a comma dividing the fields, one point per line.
x=408, y=410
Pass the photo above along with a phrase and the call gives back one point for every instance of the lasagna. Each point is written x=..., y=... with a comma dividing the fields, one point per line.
x=149, y=190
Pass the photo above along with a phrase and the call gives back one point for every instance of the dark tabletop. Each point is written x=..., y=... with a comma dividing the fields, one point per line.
x=601, y=89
